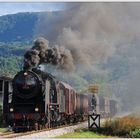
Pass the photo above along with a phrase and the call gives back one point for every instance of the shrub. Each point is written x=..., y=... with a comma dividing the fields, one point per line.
x=122, y=127
x=136, y=133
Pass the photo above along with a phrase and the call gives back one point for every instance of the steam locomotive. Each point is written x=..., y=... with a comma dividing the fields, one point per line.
x=38, y=100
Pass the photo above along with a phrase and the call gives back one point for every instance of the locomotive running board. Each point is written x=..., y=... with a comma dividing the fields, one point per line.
x=94, y=121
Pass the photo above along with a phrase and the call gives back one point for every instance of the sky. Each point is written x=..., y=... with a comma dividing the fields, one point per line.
x=16, y=7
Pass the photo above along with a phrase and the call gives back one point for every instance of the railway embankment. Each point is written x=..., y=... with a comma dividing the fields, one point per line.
x=121, y=127
x=57, y=132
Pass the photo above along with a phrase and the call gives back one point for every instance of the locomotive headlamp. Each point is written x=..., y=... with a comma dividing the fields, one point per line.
x=11, y=109
x=36, y=109
x=25, y=73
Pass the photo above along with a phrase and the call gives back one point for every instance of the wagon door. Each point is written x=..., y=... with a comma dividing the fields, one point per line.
x=77, y=104
x=67, y=101
x=85, y=104
x=62, y=100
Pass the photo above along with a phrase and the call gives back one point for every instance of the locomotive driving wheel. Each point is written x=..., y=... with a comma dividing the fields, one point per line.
x=36, y=126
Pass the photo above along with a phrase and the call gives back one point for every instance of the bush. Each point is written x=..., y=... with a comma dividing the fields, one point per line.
x=136, y=133
x=122, y=127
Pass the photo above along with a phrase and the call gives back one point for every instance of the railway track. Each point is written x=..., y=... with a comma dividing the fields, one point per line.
x=34, y=133
x=20, y=134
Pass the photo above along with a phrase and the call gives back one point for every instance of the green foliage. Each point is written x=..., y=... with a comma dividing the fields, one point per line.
x=3, y=129
x=11, y=56
x=17, y=27
x=4, y=22
x=136, y=133
x=10, y=65
x=82, y=134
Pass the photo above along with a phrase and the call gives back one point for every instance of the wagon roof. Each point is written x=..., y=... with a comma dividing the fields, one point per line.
x=67, y=85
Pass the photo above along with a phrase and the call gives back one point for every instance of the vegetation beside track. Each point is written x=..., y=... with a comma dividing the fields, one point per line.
x=126, y=127
x=3, y=129
x=82, y=133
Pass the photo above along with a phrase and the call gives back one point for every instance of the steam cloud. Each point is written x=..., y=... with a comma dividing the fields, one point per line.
x=103, y=41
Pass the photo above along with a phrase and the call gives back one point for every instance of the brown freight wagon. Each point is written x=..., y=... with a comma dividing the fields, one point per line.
x=69, y=94
x=72, y=104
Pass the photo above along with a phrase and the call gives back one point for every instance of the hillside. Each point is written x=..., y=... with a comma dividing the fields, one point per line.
x=24, y=27
x=17, y=27
x=17, y=32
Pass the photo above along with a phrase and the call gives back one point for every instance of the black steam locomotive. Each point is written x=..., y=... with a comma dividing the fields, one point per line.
x=38, y=100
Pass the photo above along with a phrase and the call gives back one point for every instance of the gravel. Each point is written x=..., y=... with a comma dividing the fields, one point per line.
x=56, y=132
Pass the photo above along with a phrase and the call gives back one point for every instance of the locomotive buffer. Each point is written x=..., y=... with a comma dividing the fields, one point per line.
x=93, y=119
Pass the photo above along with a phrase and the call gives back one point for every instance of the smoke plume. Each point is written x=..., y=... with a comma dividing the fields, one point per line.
x=42, y=53
x=102, y=40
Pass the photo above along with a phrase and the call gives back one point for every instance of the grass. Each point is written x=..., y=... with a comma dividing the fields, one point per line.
x=3, y=129
x=82, y=134
x=126, y=127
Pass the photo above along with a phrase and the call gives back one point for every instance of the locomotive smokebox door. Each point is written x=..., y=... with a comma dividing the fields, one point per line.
x=94, y=121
